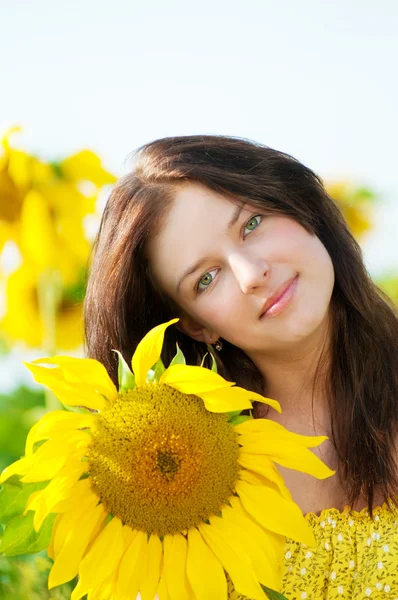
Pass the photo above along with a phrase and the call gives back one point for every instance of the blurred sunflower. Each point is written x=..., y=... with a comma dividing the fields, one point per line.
x=159, y=489
x=23, y=319
x=17, y=172
x=389, y=284
x=355, y=204
x=43, y=206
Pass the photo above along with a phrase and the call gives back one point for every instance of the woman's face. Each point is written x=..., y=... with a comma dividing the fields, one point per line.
x=225, y=264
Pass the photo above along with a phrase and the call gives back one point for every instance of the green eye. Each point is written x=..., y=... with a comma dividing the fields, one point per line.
x=206, y=280
x=253, y=223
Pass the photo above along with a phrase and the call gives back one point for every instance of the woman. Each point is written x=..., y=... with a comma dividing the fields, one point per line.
x=244, y=245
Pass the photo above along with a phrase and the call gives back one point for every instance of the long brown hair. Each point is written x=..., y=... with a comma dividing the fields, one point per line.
x=123, y=302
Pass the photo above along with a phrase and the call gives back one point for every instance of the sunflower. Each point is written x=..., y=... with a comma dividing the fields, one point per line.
x=356, y=205
x=43, y=206
x=23, y=320
x=160, y=487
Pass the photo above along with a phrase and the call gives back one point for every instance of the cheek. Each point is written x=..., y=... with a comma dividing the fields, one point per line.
x=220, y=309
x=316, y=292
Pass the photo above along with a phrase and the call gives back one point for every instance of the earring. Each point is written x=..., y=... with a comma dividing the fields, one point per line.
x=218, y=345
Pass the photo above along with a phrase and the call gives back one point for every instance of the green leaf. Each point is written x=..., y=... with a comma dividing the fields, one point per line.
x=213, y=363
x=159, y=370
x=213, y=360
x=365, y=193
x=25, y=578
x=272, y=595
x=5, y=346
x=13, y=497
x=20, y=537
x=19, y=410
x=125, y=376
x=233, y=414
x=239, y=419
x=179, y=358
x=203, y=359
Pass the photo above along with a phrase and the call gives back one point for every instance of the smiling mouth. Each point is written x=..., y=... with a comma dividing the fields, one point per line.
x=281, y=299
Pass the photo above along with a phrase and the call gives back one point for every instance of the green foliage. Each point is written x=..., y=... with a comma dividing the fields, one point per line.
x=179, y=358
x=14, y=495
x=273, y=595
x=126, y=378
x=4, y=346
x=17, y=414
x=213, y=360
x=233, y=414
x=240, y=419
x=18, y=535
x=159, y=370
x=389, y=284
x=75, y=293
x=25, y=578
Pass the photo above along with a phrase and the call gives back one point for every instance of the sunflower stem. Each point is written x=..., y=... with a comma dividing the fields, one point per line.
x=49, y=296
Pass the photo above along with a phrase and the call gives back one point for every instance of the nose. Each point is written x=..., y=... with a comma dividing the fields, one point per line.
x=251, y=272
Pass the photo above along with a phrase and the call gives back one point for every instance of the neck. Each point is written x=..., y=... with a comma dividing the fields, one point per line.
x=296, y=377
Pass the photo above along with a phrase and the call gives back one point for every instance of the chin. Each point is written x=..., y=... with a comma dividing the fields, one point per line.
x=306, y=326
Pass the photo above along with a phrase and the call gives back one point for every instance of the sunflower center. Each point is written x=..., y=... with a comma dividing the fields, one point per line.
x=168, y=464
x=160, y=461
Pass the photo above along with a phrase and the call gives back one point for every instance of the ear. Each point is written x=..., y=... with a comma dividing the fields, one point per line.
x=196, y=331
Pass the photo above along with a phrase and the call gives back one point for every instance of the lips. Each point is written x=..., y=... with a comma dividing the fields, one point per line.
x=277, y=295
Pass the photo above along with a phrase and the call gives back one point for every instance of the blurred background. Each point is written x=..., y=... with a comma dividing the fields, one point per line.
x=85, y=83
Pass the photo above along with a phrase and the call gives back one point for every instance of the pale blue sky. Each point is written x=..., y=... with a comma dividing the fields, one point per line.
x=314, y=79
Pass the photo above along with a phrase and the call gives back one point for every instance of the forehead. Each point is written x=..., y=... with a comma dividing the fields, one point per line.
x=192, y=200
x=197, y=219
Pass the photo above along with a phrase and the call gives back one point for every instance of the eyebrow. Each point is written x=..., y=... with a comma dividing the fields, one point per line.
x=203, y=260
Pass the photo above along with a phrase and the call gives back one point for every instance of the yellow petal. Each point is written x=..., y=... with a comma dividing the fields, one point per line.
x=75, y=530
x=53, y=454
x=50, y=549
x=193, y=380
x=154, y=566
x=101, y=560
x=86, y=165
x=70, y=384
x=204, y=571
x=104, y=590
x=268, y=426
x=236, y=564
x=55, y=422
x=286, y=452
x=226, y=399
x=262, y=465
x=46, y=464
x=84, y=370
x=67, y=393
x=259, y=398
x=81, y=489
x=272, y=543
x=148, y=352
x=274, y=512
x=133, y=567
x=267, y=570
x=162, y=592
x=81, y=499
x=38, y=236
x=19, y=467
x=58, y=489
x=175, y=559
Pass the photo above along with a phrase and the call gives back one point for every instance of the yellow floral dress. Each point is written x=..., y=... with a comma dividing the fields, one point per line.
x=355, y=558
